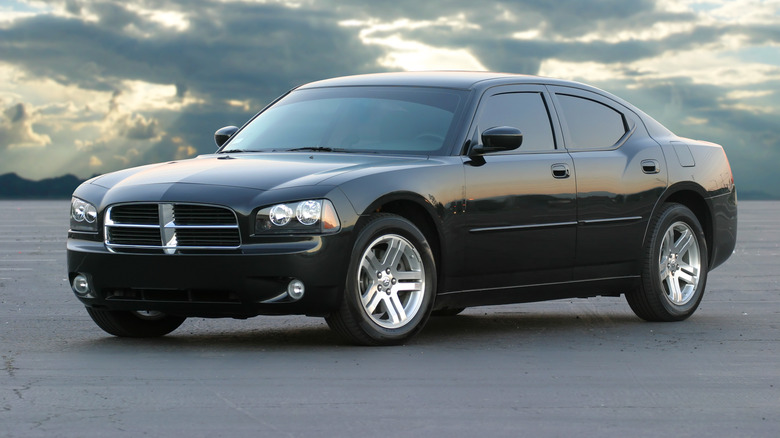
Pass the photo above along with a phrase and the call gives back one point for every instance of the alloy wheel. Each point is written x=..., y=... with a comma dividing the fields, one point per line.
x=391, y=280
x=679, y=264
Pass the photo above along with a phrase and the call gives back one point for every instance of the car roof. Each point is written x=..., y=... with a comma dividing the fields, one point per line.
x=464, y=80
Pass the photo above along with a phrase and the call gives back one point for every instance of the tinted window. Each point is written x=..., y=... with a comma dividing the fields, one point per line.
x=524, y=111
x=391, y=119
x=592, y=125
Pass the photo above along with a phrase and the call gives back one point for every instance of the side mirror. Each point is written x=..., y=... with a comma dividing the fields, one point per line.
x=497, y=139
x=223, y=134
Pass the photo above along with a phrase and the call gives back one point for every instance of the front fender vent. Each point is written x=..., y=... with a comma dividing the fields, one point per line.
x=170, y=228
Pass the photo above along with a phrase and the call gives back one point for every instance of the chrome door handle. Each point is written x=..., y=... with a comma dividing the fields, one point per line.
x=650, y=166
x=560, y=171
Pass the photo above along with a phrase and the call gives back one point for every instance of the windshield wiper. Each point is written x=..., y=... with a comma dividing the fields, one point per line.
x=314, y=149
x=237, y=151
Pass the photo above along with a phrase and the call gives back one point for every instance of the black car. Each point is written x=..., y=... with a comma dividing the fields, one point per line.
x=379, y=200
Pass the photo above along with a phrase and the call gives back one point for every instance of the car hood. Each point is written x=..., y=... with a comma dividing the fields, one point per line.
x=253, y=171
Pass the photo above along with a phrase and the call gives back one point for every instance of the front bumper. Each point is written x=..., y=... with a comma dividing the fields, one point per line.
x=240, y=284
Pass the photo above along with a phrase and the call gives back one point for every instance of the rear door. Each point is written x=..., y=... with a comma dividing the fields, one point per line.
x=621, y=173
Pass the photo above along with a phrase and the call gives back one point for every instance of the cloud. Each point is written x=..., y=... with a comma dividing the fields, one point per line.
x=131, y=82
x=226, y=52
x=137, y=127
x=16, y=128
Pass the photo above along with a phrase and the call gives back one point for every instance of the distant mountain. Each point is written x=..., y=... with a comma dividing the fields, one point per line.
x=12, y=186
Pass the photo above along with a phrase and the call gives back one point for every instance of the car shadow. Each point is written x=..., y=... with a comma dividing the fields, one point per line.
x=472, y=329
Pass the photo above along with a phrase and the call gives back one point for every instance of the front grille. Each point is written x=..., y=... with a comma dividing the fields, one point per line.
x=200, y=237
x=147, y=214
x=186, y=214
x=170, y=228
x=134, y=236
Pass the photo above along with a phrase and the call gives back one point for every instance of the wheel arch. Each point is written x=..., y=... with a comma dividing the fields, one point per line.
x=692, y=196
x=417, y=210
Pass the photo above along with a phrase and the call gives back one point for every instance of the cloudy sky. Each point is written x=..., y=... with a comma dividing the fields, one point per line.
x=91, y=86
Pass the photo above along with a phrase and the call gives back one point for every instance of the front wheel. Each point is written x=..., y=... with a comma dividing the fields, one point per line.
x=391, y=282
x=675, y=266
x=135, y=324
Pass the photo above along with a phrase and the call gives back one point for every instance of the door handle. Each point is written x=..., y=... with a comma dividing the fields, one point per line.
x=560, y=171
x=650, y=166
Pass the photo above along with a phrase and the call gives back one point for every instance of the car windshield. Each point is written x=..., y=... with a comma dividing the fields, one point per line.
x=359, y=119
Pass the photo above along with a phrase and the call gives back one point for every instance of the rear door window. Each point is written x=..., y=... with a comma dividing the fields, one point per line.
x=592, y=125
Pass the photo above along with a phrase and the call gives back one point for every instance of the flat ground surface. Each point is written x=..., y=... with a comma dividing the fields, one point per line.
x=562, y=368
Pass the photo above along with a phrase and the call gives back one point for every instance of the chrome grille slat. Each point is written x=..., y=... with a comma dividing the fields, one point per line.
x=170, y=227
x=194, y=237
x=186, y=214
x=134, y=236
x=137, y=214
x=128, y=226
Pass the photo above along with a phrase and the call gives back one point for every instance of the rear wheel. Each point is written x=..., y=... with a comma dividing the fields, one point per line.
x=390, y=285
x=674, y=271
x=135, y=324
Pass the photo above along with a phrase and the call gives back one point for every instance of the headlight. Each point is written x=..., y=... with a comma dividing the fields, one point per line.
x=83, y=216
x=316, y=216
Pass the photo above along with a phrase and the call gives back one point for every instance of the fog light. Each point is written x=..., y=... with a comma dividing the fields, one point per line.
x=81, y=285
x=295, y=289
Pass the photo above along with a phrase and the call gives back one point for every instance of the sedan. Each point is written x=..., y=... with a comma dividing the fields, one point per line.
x=376, y=201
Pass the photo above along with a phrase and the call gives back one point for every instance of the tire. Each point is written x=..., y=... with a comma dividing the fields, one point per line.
x=135, y=324
x=391, y=284
x=674, y=267
x=447, y=311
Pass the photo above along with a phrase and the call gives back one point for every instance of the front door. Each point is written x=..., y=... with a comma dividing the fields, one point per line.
x=521, y=204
